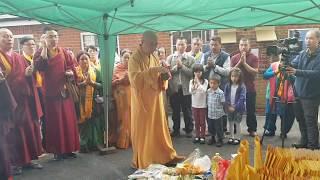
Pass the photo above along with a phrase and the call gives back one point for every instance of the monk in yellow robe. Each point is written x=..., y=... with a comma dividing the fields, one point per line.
x=151, y=141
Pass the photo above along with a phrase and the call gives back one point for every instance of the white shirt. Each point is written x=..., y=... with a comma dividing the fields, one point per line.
x=234, y=88
x=198, y=94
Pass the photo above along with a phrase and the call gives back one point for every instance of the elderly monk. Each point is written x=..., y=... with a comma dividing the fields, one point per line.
x=24, y=139
x=151, y=141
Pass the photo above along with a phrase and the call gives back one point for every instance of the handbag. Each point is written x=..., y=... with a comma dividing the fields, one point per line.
x=70, y=88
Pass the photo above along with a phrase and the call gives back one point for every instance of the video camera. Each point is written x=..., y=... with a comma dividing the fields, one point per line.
x=287, y=48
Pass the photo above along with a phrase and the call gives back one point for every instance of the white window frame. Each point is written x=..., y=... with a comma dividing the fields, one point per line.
x=202, y=31
x=82, y=39
x=89, y=33
x=302, y=29
x=19, y=36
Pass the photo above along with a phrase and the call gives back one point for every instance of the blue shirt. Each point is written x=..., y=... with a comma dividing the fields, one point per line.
x=215, y=103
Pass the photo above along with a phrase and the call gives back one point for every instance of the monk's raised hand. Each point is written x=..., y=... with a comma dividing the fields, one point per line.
x=43, y=42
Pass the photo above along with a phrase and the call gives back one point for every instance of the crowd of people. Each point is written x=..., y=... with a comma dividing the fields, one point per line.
x=52, y=101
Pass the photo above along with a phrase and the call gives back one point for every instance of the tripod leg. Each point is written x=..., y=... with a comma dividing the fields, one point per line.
x=265, y=127
x=264, y=132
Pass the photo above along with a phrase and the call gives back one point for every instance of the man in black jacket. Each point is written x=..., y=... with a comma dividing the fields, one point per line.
x=306, y=68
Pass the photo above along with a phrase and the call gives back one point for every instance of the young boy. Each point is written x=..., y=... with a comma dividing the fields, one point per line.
x=215, y=110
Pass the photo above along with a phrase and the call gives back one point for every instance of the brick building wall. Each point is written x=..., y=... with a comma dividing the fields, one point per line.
x=67, y=37
x=71, y=38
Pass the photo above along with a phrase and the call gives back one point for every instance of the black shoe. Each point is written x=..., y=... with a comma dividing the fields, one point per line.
x=196, y=140
x=57, y=157
x=16, y=170
x=299, y=146
x=284, y=136
x=252, y=134
x=219, y=143
x=236, y=142
x=202, y=141
x=211, y=141
x=175, y=134
x=69, y=156
x=269, y=133
x=189, y=134
x=34, y=165
x=230, y=141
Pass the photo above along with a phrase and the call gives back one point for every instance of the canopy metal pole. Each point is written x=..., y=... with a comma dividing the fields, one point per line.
x=107, y=51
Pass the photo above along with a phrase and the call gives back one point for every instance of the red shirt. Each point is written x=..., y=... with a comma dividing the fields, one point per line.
x=248, y=78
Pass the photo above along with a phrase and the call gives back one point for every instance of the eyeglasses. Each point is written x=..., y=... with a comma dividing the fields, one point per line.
x=52, y=36
x=30, y=44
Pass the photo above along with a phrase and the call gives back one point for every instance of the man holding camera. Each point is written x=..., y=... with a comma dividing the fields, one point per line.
x=180, y=97
x=306, y=68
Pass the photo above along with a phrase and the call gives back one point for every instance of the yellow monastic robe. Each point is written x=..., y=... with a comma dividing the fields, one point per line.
x=151, y=141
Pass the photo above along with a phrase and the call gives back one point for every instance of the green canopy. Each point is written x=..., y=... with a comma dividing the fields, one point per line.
x=108, y=18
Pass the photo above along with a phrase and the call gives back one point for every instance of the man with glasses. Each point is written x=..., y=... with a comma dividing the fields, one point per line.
x=57, y=65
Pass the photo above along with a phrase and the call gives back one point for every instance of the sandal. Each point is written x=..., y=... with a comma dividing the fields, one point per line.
x=236, y=141
x=230, y=141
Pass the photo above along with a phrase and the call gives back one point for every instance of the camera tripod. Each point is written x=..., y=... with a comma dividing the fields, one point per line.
x=283, y=103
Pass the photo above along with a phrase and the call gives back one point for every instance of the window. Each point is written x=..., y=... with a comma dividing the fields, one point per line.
x=204, y=35
x=88, y=39
x=16, y=41
x=302, y=33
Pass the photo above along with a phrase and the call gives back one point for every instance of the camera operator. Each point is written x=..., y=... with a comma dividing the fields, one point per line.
x=306, y=68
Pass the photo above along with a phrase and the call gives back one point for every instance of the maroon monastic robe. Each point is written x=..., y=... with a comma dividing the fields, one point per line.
x=7, y=107
x=61, y=120
x=24, y=140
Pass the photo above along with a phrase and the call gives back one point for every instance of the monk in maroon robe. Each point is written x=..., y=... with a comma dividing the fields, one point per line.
x=7, y=107
x=62, y=136
x=24, y=140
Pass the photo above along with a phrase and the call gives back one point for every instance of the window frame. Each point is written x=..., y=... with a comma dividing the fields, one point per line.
x=203, y=32
x=19, y=36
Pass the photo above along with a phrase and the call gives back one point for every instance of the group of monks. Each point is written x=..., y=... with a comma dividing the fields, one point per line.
x=26, y=96
x=22, y=107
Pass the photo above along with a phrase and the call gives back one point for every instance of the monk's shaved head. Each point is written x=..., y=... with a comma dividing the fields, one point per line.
x=149, y=42
x=149, y=35
x=5, y=30
x=6, y=39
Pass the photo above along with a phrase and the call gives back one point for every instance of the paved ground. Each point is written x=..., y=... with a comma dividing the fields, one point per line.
x=117, y=166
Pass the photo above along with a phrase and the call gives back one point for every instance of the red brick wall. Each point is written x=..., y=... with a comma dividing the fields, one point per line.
x=133, y=40
x=67, y=37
